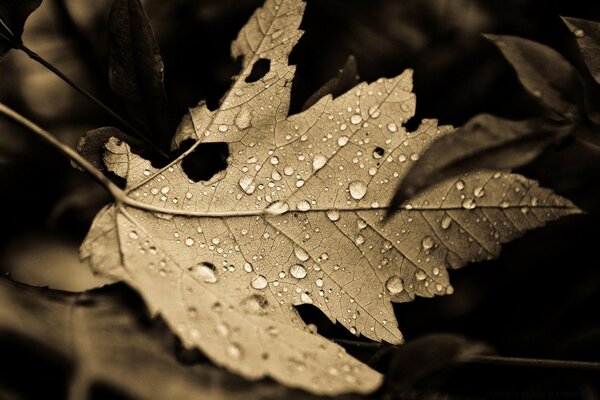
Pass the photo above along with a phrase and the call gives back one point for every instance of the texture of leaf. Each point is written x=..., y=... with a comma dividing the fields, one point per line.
x=136, y=67
x=13, y=14
x=91, y=144
x=101, y=335
x=297, y=218
x=485, y=141
x=545, y=74
x=587, y=34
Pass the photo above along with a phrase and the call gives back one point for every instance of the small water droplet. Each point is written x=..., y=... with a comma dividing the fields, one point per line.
x=133, y=235
x=394, y=284
x=356, y=119
x=306, y=298
x=460, y=184
x=234, y=351
x=342, y=141
x=374, y=111
x=469, y=204
x=301, y=254
x=319, y=282
x=222, y=330
x=244, y=118
x=259, y=282
x=247, y=185
x=479, y=191
x=298, y=271
x=357, y=190
x=205, y=272
x=303, y=205
x=288, y=170
x=446, y=221
x=505, y=204
x=579, y=33
x=248, y=267
x=255, y=304
x=392, y=127
x=420, y=275
x=222, y=128
x=360, y=239
x=189, y=241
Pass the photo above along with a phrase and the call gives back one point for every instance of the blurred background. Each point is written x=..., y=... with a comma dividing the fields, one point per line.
x=539, y=299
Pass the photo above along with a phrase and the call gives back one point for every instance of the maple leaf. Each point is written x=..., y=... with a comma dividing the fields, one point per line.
x=297, y=218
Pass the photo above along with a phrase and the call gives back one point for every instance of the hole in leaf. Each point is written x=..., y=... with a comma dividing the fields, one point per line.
x=412, y=124
x=205, y=161
x=259, y=69
x=379, y=152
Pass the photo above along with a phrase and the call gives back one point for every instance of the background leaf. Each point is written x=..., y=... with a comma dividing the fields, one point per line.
x=587, y=34
x=136, y=67
x=346, y=79
x=486, y=141
x=13, y=14
x=545, y=74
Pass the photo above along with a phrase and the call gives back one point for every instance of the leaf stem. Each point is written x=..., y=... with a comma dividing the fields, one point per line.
x=533, y=362
x=113, y=189
x=39, y=59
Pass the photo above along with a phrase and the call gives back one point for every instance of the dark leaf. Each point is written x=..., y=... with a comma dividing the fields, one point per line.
x=91, y=144
x=13, y=14
x=419, y=359
x=545, y=74
x=587, y=34
x=136, y=68
x=486, y=141
x=105, y=339
x=346, y=79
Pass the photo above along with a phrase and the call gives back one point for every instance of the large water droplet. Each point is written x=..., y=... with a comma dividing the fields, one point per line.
x=247, y=185
x=319, y=162
x=394, y=284
x=357, y=190
x=333, y=215
x=259, y=282
x=244, y=118
x=301, y=254
x=277, y=208
x=298, y=271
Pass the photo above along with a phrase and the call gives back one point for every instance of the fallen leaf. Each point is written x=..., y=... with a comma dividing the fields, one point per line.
x=103, y=339
x=297, y=218
x=13, y=14
x=136, y=67
x=485, y=141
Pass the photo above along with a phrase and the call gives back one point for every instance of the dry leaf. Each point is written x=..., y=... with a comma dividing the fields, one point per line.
x=296, y=218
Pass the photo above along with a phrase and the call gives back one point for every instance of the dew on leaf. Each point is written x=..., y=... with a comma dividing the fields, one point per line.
x=277, y=207
x=189, y=241
x=392, y=127
x=427, y=242
x=306, y=299
x=357, y=190
x=394, y=285
x=342, y=141
x=356, y=119
x=303, y=205
x=205, y=271
x=319, y=162
x=234, y=351
x=243, y=119
x=298, y=271
x=259, y=282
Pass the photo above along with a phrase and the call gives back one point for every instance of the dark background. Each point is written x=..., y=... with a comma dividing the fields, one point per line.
x=538, y=299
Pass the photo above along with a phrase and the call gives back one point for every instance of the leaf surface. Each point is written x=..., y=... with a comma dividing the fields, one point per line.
x=297, y=218
x=587, y=34
x=13, y=14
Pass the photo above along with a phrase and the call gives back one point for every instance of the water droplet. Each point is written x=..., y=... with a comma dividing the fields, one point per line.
x=205, y=271
x=164, y=190
x=360, y=239
x=505, y=204
x=222, y=128
x=274, y=160
x=247, y=185
x=357, y=190
x=288, y=170
x=243, y=119
x=255, y=304
x=479, y=191
x=222, y=330
x=446, y=221
x=133, y=235
x=189, y=241
x=306, y=298
x=319, y=162
x=301, y=254
x=299, y=183
x=319, y=282
x=420, y=275
x=469, y=204
x=303, y=205
x=278, y=207
x=259, y=282
x=374, y=111
x=460, y=185
x=298, y=271
x=333, y=215
x=394, y=284
x=234, y=351
x=427, y=242
x=248, y=267
x=579, y=33
x=356, y=119
x=534, y=201
x=342, y=141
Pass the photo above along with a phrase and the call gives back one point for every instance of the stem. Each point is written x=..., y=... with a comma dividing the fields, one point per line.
x=113, y=189
x=533, y=362
x=36, y=57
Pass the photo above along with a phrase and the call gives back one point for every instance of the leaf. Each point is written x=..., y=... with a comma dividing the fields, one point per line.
x=485, y=141
x=91, y=144
x=347, y=78
x=587, y=34
x=100, y=333
x=13, y=14
x=136, y=67
x=297, y=218
x=544, y=73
